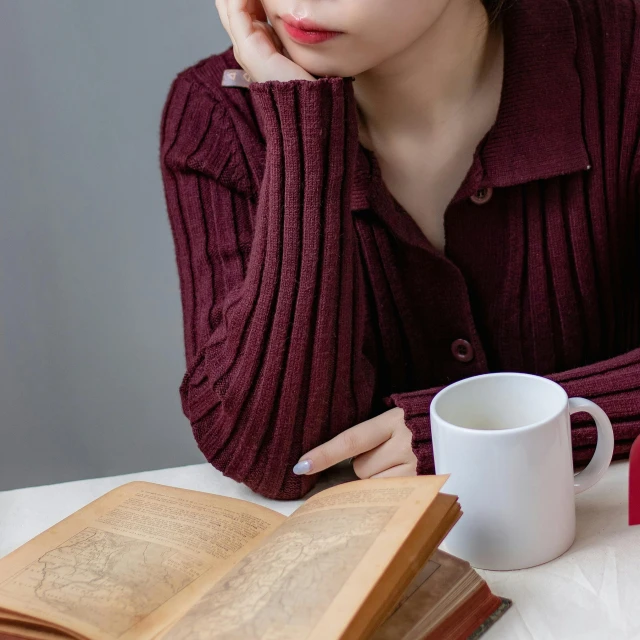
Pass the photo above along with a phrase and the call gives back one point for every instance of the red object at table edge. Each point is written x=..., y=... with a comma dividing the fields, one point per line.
x=634, y=483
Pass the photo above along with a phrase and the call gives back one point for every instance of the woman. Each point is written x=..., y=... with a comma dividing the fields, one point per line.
x=323, y=308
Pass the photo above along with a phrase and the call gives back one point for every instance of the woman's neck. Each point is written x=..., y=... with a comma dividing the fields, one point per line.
x=437, y=77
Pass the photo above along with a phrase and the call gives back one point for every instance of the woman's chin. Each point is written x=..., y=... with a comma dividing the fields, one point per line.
x=328, y=70
x=319, y=65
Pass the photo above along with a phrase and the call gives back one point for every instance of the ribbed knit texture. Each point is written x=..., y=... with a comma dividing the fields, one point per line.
x=311, y=299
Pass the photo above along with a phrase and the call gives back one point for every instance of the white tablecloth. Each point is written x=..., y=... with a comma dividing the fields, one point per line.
x=590, y=593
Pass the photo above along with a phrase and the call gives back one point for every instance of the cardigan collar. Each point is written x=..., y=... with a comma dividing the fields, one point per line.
x=538, y=132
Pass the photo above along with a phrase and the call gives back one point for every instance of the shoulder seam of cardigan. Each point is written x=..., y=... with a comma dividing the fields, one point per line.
x=223, y=159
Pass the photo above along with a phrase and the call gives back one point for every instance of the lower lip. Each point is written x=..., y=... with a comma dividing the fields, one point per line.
x=310, y=37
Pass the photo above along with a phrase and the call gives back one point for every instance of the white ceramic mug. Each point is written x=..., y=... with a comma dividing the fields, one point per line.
x=505, y=438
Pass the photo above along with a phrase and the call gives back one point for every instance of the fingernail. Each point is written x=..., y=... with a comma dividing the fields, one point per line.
x=304, y=466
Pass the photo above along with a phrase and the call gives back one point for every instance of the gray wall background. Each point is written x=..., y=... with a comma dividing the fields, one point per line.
x=91, y=352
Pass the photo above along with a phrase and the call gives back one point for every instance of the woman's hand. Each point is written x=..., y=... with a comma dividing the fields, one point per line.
x=256, y=45
x=379, y=447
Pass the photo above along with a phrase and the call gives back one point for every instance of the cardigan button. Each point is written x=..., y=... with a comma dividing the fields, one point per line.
x=462, y=350
x=482, y=196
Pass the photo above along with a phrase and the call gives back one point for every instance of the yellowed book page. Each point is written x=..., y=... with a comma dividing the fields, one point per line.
x=132, y=561
x=413, y=554
x=309, y=578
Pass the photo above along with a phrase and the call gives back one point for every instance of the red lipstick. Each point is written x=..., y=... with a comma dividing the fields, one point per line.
x=306, y=31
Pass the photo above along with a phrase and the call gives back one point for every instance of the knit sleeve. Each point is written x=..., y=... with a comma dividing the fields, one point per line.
x=629, y=154
x=269, y=289
x=613, y=384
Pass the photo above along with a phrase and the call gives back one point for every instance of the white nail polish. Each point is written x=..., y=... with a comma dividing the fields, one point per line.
x=304, y=466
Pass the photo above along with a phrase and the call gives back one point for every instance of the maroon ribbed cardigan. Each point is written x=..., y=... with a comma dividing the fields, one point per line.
x=312, y=301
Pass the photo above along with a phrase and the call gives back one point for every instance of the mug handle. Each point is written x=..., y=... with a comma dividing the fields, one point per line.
x=604, y=449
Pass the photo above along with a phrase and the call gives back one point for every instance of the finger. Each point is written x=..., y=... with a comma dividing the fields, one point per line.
x=223, y=12
x=275, y=38
x=348, y=444
x=240, y=22
x=251, y=41
x=256, y=10
x=270, y=34
x=397, y=471
x=385, y=456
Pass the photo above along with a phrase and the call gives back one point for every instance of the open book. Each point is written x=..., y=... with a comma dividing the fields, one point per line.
x=149, y=561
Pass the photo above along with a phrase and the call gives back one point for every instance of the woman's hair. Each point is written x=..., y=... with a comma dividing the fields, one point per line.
x=493, y=7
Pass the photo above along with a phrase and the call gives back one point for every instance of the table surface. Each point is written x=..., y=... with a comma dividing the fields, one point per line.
x=592, y=592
